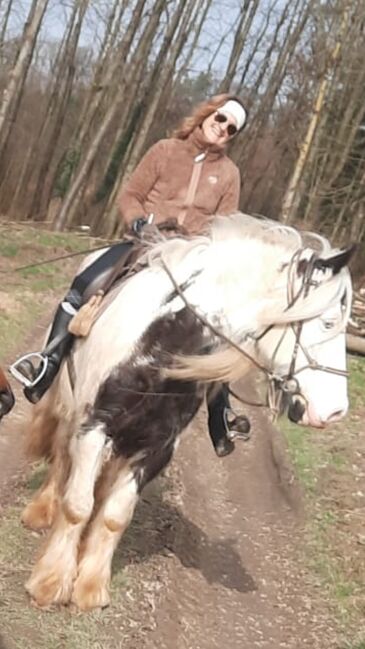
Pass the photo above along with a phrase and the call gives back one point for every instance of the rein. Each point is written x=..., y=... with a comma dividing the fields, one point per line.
x=51, y=260
x=277, y=385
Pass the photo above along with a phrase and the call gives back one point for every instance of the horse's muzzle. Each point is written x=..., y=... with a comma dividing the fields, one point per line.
x=7, y=401
x=296, y=409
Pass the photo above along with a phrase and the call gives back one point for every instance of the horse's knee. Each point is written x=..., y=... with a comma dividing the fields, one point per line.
x=119, y=507
x=77, y=509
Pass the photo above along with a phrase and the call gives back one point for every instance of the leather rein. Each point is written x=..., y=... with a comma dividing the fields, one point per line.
x=277, y=385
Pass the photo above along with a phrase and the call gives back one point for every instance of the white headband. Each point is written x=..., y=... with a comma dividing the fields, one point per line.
x=235, y=110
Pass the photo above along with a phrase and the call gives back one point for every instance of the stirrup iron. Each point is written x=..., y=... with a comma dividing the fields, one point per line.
x=24, y=380
x=232, y=423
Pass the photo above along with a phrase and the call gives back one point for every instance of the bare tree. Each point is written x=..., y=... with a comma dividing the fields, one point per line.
x=69, y=203
x=4, y=26
x=14, y=89
x=246, y=18
x=290, y=199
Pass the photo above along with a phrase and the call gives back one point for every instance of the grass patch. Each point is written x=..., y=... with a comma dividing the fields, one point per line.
x=357, y=382
x=8, y=249
x=32, y=292
x=330, y=465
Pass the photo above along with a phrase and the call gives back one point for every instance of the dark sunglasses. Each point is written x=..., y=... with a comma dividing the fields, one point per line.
x=231, y=128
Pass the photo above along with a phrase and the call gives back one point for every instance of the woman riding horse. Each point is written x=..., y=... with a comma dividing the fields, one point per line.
x=188, y=178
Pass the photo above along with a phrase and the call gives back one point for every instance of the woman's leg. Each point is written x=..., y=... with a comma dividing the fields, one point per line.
x=223, y=428
x=38, y=379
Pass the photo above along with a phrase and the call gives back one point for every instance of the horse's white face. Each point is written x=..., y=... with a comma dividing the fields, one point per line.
x=321, y=396
x=311, y=355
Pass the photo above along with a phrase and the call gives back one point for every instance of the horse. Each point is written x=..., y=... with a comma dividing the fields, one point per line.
x=199, y=311
x=7, y=399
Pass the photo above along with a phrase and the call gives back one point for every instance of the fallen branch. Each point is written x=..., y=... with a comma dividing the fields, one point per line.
x=355, y=344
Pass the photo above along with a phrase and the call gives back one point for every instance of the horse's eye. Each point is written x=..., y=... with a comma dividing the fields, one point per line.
x=291, y=385
x=328, y=324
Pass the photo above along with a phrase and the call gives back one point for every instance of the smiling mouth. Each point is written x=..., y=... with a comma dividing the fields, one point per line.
x=217, y=131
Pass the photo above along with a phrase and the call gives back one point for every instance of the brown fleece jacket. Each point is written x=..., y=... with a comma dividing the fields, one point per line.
x=160, y=183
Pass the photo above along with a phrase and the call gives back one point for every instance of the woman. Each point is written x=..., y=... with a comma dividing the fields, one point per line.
x=188, y=177
x=184, y=180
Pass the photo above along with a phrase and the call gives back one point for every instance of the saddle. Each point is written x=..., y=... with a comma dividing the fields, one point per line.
x=91, y=310
x=128, y=264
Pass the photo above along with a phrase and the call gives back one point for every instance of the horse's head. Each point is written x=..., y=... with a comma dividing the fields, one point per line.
x=278, y=299
x=6, y=395
x=307, y=354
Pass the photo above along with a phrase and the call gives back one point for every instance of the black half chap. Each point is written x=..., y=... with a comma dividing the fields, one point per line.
x=217, y=405
x=94, y=275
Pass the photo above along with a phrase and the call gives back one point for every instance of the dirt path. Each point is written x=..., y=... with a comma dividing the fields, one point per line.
x=235, y=580
x=12, y=428
x=225, y=552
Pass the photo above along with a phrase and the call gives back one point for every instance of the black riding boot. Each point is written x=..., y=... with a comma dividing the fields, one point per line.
x=39, y=378
x=47, y=370
x=224, y=426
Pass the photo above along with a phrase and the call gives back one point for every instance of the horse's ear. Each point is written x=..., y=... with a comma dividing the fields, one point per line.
x=337, y=261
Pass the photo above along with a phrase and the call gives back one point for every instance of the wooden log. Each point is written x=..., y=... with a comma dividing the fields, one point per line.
x=355, y=344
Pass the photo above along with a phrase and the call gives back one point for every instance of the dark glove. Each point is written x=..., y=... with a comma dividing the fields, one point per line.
x=138, y=225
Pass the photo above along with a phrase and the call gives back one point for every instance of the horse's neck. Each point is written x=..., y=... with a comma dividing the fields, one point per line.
x=239, y=282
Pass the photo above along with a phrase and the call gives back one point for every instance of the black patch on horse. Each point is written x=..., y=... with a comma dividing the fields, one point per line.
x=143, y=412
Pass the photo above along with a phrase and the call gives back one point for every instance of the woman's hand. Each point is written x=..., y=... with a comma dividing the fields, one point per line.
x=138, y=225
x=171, y=227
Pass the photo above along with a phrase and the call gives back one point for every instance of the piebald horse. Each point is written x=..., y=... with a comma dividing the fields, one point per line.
x=6, y=395
x=203, y=310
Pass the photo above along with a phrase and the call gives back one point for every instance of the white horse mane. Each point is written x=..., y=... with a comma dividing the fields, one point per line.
x=240, y=247
x=271, y=240
x=240, y=270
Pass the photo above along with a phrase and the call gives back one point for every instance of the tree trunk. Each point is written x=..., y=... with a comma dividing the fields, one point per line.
x=57, y=113
x=4, y=27
x=247, y=15
x=290, y=201
x=355, y=344
x=70, y=202
x=14, y=89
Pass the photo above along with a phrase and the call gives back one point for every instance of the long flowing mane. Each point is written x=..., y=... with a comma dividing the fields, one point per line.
x=241, y=246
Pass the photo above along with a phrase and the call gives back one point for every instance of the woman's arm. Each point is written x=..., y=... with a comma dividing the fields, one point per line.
x=135, y=191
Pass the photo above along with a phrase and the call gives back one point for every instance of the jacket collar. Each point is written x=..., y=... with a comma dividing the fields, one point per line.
x=196, y=143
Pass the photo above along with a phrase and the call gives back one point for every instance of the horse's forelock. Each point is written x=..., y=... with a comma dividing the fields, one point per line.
x=320, y=299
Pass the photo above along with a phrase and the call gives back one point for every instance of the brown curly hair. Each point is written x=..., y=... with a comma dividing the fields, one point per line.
x=201, y=112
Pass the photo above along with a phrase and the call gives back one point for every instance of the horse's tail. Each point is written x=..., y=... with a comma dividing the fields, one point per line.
x=40, y=436
x=225, y=365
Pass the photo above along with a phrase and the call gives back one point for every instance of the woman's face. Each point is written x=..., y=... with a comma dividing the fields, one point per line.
x=216, y=128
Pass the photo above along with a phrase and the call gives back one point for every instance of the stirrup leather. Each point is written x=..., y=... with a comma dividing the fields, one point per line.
x=24, y=380
x=233, y=423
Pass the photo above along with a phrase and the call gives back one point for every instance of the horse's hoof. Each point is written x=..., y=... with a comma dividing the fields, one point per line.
x=90, y=593
x=49, y=589
x=40, y=514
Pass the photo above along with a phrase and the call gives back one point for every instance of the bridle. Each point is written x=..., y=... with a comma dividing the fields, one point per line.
x=288, y=384
x=278, y=385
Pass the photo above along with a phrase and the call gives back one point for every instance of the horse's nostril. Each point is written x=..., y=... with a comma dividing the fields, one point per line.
x=296, y=410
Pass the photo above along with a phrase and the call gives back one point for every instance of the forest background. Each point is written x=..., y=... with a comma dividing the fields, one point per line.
x=87, y=86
